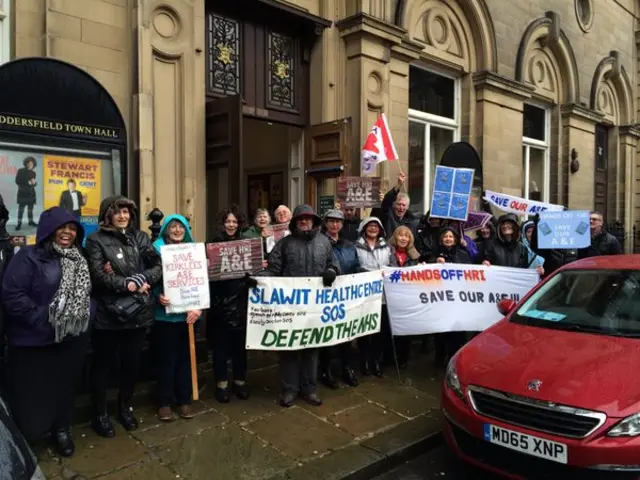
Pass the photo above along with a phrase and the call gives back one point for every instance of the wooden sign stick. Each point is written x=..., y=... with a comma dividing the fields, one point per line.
x=194, y=369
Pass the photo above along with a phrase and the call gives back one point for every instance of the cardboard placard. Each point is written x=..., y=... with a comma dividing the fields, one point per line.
x=358, y=192
x=228, y=260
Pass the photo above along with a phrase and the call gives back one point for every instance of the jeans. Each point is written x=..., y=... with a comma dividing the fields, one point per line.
x=127, y=344
x=299, y=371
x=173, y=361
x=229, y=344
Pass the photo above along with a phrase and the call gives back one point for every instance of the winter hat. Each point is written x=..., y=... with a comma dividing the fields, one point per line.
x=304, y=211
x=335, y=214
x=367, y=221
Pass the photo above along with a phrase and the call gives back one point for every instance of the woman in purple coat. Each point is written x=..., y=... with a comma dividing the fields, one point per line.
x=46, y=292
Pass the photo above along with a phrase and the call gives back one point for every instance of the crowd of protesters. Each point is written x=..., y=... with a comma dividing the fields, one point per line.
x=66, y=293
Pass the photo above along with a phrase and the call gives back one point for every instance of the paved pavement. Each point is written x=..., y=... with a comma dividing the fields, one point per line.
x=437, y=464
x=368, y=427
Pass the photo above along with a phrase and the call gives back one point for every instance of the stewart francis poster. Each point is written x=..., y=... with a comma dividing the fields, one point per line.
x=74, y=184
x=450, y=297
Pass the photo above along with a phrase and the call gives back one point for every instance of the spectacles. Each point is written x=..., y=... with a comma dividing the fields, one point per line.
x=595, y=219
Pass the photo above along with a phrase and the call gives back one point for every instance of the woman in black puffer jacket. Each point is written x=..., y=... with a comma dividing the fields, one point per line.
x=227, y=319
x=124, y=266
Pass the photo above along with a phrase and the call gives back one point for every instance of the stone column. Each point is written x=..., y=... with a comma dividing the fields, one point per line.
x=578, y=132
x=629, y=135
x=169, y=103
x=498, y=134
x=368, y=41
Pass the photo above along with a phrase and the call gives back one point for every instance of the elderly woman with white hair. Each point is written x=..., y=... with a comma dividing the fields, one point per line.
x=282, y=214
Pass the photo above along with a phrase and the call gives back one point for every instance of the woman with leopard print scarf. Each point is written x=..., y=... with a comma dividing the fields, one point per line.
x=46, y=294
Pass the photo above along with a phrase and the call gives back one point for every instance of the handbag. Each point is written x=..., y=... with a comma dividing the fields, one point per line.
x=125, y=309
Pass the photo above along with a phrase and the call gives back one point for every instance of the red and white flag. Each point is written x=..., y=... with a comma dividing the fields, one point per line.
x=378, y=147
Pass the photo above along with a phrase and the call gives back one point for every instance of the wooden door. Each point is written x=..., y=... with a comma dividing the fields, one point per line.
x=327, y=157
x=601, y=164
x=224, y=143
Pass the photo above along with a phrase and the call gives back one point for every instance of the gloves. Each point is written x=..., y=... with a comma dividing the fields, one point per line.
x=328, y=277
x=137, y=278
x=251, y=282
x=536, y=218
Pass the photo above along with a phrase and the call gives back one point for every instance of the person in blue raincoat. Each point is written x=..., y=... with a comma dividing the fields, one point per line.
x=170, y=334
x=535, y=260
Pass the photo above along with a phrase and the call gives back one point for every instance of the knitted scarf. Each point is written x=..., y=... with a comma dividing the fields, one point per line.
x=70, y=308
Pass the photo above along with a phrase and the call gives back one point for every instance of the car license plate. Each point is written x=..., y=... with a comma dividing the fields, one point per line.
x=521, y=442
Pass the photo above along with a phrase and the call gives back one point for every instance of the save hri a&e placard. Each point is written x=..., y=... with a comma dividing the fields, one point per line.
x=287, y=313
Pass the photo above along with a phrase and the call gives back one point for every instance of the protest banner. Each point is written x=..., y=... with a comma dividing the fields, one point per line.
x=450, y=297
x=287, y=313
x=234, y=259
x=185, y=277
x=280, y=231
x=564, y=230
x=358, y=192
x=451, y=193
x=517, y=205
x=476, y=221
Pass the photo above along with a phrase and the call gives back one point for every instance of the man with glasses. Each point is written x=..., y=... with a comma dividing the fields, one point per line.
x=602, y=242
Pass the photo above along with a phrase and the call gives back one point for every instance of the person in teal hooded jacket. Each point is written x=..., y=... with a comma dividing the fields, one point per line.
x=170, y=334
x=535, y=260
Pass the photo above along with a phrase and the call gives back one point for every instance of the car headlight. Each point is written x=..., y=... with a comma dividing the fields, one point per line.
x=451, y=379
x=629, y=427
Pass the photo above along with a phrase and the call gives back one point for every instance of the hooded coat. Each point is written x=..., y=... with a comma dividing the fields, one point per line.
x=379, y=256
x=129, y=252
x=454, y=254
x=229, y=298
x=302, y=254
x=160, y=311
x=427, y=238
x=534, y=259
x=30, y=282
x=507, y=253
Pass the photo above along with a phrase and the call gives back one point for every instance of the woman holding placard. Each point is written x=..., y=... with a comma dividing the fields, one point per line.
x=227, y=324
x=170, y=334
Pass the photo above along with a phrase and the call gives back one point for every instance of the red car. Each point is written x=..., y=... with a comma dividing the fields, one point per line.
x=552, y=391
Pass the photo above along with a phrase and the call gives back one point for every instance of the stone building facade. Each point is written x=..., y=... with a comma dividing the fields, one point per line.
x=266, y=101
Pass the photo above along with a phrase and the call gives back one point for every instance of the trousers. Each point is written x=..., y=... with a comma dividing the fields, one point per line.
x=170, y=343
x=299, y=371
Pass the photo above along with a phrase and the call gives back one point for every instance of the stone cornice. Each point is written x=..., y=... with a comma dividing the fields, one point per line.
x=630, y=130
x=506, y=85
x=364, y=23
x=575, y=110
x=408, y=50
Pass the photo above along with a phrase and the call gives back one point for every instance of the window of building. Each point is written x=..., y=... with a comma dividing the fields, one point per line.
x=433, y=126
x=5, y=27
x=535, y=153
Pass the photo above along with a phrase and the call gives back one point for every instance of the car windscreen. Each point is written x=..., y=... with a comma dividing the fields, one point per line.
x=17, y=461
x=594, y=301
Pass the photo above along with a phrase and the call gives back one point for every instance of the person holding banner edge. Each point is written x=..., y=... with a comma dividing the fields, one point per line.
x=170, y=334
x=374, y=253
x=347, y=257
x=304, y=253
x=227, y=323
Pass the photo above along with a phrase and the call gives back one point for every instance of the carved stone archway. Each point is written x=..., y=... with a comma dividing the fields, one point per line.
x=547, y=62
x=611, y=92
x=459, y=33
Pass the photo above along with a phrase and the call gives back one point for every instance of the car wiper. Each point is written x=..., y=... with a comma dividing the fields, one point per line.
x=575, y=327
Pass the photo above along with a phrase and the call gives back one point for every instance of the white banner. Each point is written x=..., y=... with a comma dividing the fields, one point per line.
x=517, y=205
x=293, y=313
x=450, y=297
x=185, y=276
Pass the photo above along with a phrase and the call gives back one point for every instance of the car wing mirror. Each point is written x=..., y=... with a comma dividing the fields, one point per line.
x=506, y=306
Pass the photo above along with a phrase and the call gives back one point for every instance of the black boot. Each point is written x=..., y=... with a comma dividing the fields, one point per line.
x=326, y=377
x=349, y=377
x=125, y=415
x=377, y=369
x=101, y=423
x=18, y=226
x=63, y=442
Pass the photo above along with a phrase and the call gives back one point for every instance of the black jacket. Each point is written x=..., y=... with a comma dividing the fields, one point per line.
x=427, y=238
x=502, y=253
x=456, y=254
x=350, y=229
x=228, y=309
x=128, y=252
x=389, y=220
x=602, y=244
x=302, y=254
x=66, y=201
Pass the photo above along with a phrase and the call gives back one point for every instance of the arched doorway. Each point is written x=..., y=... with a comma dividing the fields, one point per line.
x=60, y=131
